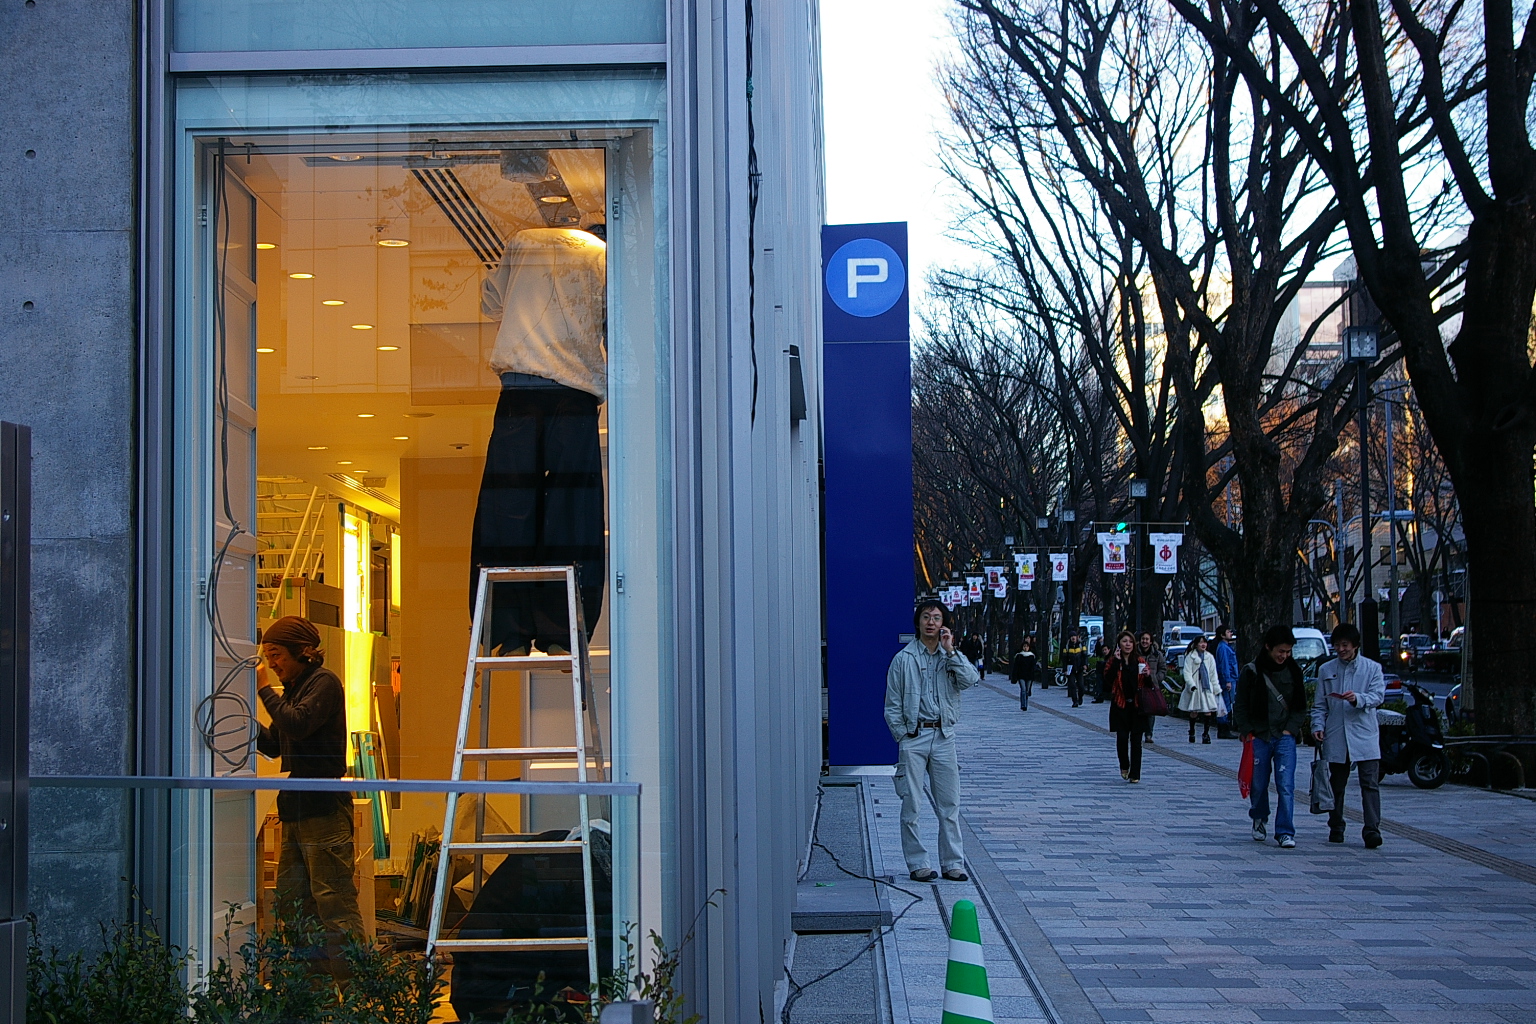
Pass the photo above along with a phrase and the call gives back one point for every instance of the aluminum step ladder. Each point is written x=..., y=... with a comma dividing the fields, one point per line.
x=586, y=750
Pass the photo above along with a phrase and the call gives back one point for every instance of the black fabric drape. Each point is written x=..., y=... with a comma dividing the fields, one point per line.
x=541, y=503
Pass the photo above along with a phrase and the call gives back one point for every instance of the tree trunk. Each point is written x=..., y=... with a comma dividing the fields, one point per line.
x=1496, y=506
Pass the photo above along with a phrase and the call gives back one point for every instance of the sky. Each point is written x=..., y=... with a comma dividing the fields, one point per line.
x=882, y=109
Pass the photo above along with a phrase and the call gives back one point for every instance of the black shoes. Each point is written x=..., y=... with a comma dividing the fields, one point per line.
x=956, y=875
x=1335, y=835
x=1372, y=840
x=924, y=875
x=1206, y=739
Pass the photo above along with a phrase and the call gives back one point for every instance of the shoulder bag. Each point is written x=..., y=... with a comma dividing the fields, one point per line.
x=1149, y=700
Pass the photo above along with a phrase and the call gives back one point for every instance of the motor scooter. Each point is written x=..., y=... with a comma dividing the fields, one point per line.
x=1412, y=741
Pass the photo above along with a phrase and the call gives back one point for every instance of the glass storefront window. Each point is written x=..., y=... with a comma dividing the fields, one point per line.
x=407, y=350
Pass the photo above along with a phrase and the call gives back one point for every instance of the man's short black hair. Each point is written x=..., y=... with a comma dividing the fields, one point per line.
x=922, y=606
x=1347, y=632
x=1274, y=636
x=1222, y=630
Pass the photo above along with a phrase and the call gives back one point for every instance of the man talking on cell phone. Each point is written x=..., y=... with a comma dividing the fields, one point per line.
x=922, y=705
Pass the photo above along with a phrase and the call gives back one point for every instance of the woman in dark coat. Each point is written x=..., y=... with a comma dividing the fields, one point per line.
x=1023, y=669
x=1123, y=673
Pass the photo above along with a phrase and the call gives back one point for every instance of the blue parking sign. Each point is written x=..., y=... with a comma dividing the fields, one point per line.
x=864, y=282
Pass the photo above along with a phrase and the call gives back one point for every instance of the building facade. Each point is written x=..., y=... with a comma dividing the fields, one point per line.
x=299, y=297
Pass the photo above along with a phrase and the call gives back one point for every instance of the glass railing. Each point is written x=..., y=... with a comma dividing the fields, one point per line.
x=338, y=889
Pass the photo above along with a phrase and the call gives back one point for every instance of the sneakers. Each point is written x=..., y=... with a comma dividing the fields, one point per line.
x=1260, y=833
x=923, y=875
x=956, y=875
x=1335, y=835
x=1372, y=840
x=1287, y=842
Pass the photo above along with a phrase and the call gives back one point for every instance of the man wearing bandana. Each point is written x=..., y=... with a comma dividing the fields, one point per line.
x=309, y=733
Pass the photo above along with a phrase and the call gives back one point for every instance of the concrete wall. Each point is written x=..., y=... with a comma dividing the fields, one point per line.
x=67, y=337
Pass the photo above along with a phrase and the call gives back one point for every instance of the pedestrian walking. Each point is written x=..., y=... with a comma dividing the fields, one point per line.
x=1096, y=671
x=1201, y=699
x=1124, y=673
x=1152, y=653
x=1023, y=669
x=1271, y=710
x=1226, y=671
x=1349, y=690
x=1074, y=661
x=922, y=705
x=971, y=648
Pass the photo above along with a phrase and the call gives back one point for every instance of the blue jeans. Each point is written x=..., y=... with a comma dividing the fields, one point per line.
x=1277, y=756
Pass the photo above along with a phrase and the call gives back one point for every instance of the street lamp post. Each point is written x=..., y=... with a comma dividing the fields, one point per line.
x=1360, y=349
x=1138, y=492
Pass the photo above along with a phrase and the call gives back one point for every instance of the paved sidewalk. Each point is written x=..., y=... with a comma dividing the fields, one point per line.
x=917, y=948
x=1163, y=909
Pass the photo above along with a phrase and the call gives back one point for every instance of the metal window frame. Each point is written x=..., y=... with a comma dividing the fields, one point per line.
x=155, y=443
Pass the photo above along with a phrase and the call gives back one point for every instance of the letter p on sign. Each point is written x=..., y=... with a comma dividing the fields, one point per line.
x=879, y=269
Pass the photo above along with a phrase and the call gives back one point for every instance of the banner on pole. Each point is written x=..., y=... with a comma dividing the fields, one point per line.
x=973, y=589
x=1114, y=546
x=997, y=582
x=1165, y=552
x=1025, y=566
x=1059, y=567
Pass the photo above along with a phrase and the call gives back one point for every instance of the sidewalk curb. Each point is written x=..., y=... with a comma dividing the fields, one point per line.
x=1054, y=986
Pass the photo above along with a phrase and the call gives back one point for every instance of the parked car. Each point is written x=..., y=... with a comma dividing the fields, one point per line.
x=1311, y=647
x=1453, y=642
x=1395, y=688
x=1453, y=705
x=1176, y=644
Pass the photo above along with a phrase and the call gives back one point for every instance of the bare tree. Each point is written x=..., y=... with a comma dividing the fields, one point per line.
x=1193, y=167
x=1446, y=249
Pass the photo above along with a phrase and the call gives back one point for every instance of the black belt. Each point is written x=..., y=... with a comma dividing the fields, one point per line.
x=930, y=725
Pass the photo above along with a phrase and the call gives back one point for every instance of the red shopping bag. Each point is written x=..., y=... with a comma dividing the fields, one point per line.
x=1245, y=769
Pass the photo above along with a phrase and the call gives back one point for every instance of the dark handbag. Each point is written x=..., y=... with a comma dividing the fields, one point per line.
x=1149, y=700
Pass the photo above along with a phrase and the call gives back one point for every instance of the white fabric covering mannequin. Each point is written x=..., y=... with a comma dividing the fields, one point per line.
x=549, y=295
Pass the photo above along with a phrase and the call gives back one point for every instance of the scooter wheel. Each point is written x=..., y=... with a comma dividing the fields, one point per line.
x=1429, y=771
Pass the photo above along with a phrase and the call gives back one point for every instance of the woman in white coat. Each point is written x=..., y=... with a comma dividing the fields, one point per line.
x=1201, y=698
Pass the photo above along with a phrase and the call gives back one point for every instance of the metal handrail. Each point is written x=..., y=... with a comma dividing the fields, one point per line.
x=252, y=782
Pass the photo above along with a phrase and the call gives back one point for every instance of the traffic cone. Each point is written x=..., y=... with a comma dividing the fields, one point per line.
x=967, y=998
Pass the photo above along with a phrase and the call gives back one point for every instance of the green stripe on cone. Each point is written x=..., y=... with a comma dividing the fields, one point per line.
x=967, y=999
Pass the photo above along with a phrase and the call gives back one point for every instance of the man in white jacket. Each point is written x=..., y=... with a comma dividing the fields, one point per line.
x=922, y=698
x=1349, y=690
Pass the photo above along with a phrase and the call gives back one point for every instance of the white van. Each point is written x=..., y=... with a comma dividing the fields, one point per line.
x=1311, y=645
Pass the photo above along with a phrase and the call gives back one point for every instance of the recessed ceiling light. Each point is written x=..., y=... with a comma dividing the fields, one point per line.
x=389, y=348
x=265, y=245
x=344, y=158
x=302, y=277
x=344, y=462
x=401, y=437
x=419, y=415
x=362, y=327
x=365, y=415
x=309, y=377
x=554, y=199
x=393, y=243
x=266, y=350
x=318, y=447
x=332, y=302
